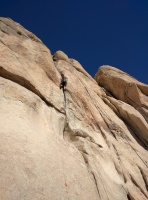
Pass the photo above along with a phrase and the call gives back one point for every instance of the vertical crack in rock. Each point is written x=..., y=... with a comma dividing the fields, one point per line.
x=101, y=131
x=129, y=197
x=66, y=118
x=138, y=186
x=144, y=162
x=84, y=155
x=119, y=171
x=123, y=135
x=91, y=170
x=83, y=152
x=112, y=127
x=104, y=136
x=102, y=182
x=144, y=176
x=65, y=106
x=96, y=184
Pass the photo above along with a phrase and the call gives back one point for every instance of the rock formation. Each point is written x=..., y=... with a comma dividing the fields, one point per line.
x=87, y=142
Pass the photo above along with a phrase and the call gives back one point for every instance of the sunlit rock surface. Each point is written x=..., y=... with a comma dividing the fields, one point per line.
x=87, y=142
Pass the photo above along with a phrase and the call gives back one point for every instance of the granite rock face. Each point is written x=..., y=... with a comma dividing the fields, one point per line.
x=87, y=142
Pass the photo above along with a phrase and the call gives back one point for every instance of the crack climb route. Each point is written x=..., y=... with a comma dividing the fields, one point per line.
x=66, y=119
x=93, y=158
x=64, y=100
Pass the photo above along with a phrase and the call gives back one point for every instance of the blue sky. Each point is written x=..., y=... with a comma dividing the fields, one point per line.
x=96, y=32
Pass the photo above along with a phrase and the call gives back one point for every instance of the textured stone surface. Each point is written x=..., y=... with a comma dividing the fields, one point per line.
x=84, y=143
x=124, y=87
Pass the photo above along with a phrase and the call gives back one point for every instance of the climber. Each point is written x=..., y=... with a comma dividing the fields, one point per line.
x=63, y=81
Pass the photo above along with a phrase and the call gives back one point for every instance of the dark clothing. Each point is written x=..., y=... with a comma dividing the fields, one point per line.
x=63, y=82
